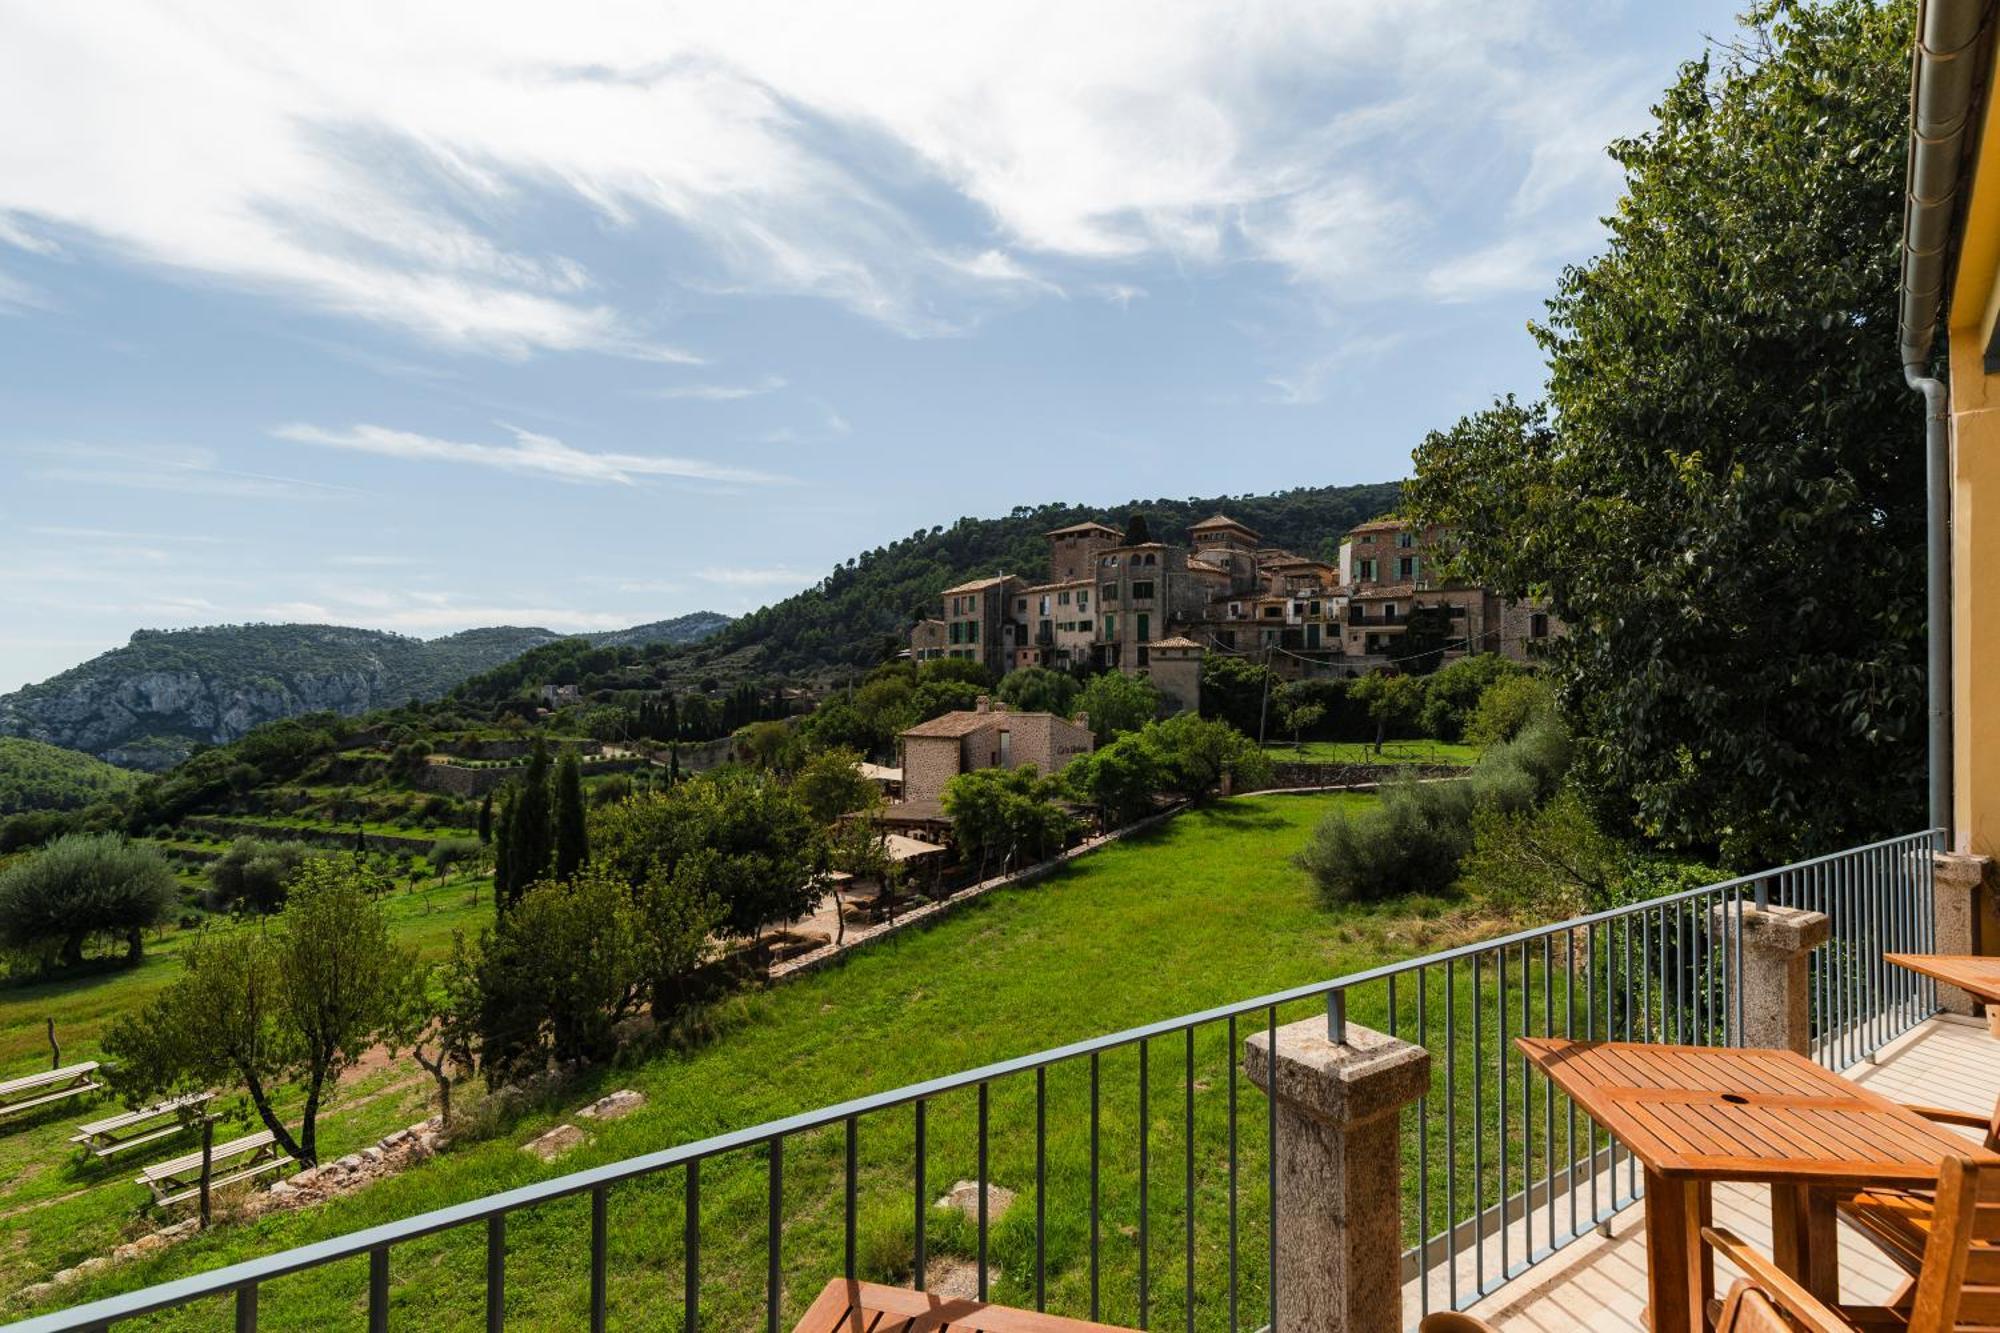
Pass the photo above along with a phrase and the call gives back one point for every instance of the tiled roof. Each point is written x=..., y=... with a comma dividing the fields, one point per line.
x=962, y=723
x=978, y=585
x=1081, y=527
x=1058, y=587
x=1222, y=521
x=1178, y=641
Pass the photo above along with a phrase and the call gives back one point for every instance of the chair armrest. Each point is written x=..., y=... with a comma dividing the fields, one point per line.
x=1945, y=1116
x=1450, y=1321
x=1808, y=1310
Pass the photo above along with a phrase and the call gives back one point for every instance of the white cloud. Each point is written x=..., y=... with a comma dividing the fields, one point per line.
x=720, y=393
x=529, y=452
x=394, y=166
x=746, y=577
x=175, y=471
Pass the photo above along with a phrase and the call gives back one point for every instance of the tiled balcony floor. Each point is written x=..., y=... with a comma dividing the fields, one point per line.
x=1599, y=1283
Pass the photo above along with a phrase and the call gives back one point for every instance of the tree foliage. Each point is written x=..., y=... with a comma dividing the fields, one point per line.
x=83, y=885
x=256, y=873
x=261, y=1009
x=1724, y=498
x=1116, y=703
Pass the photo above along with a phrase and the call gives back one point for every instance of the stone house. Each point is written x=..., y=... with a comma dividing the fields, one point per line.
x=989, y=735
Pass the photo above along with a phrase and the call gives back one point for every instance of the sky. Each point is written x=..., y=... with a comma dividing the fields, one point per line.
x=429, y=317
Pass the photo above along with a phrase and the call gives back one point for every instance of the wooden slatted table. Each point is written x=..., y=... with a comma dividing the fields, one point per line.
x=1693, y=1115
x=48, y=1087
x=847, y=1306
x=1975, y=974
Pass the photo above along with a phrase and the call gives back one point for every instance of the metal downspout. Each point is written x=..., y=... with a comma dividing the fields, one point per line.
x=1943, y=76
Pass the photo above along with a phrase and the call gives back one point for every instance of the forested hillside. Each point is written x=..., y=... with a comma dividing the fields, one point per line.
x=34, y=776
x=845, y=620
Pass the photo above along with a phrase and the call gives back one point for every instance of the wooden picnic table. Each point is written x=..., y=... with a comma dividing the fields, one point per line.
x=180, y=1179
x=51, y=1085
x=848, y=1306
x=1694, y=1115
x=116, y=1133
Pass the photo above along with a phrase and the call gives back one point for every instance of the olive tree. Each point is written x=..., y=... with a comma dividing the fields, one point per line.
x=80, y=886
x=260, y=1009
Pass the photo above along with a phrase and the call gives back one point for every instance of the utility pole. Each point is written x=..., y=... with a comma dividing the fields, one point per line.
x=1264, y=704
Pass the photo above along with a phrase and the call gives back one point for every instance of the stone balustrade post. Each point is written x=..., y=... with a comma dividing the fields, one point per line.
x=1777, y=944
x=1339, y=1206
x=1958, y=902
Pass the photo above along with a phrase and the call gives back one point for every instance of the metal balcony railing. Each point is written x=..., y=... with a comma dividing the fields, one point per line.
x=1160, y=1171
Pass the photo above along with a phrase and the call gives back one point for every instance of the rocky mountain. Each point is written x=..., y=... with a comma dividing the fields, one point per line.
x=147, y=704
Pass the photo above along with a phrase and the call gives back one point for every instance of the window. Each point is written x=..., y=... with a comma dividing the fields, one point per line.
x=1236, y=610
x=1111, y=627
x=1083, y=599
x=1021, y=604
x=1388, y=610
x=1062, y=599
x=1045, y=604
x=1083, y=626
x=1538, y=626
x=1142, y=590
x=1406, y=539
x=1145, y=633
x=1110, y=591
x=1406, y=568
x=1152, y=559
x=1367, y=574
x=1273, y=612
x=1226, y=637
x=1312, y=608
x=1312, y=636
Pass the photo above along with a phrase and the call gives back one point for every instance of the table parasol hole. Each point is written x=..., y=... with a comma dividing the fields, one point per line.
x=1735, y=1099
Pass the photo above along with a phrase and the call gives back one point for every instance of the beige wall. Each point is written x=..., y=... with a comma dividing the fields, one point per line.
x=1975, y=597
x=928, y=763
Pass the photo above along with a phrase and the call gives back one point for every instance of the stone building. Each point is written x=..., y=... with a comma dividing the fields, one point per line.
x=1109, y=604
x=989, y=735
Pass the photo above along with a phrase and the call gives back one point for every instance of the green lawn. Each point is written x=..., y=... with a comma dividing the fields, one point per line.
x=1206, y=910
x=1363, y=752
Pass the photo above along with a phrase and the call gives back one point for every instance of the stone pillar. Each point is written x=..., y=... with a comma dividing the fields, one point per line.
x=1777, y=992
x=1959, y=902
x=1340, y=1188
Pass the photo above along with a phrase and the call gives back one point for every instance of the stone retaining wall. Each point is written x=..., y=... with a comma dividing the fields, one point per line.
x=1296, y=776
x=337, y=839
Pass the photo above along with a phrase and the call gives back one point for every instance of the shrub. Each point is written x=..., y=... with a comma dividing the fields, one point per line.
x=1507, y=707
x=1009, y=813
x=255, y=873
x=1452, y=694
x=1116, y=703
x=448, y=852
x=84, y=885
x=1039, y=690
x=563, y=965
x=1121, y=780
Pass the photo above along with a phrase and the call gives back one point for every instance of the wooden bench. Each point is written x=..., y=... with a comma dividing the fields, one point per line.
x=848, y=1306
x=116, y=1133
x=180, y=1180
x=49, y=1086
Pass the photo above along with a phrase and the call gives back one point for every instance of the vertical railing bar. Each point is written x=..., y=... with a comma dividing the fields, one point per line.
x=1451, y=1130
x=918, y=1172
x=246, y=1308
x=1187, y=1201
x=1569, y=1106
x=691, y=1249
x=1478, y=1138
x=1145, y=1162
x=1041, y=1187
x=1681, y=952
x=600, y=1239
x=850, y=1190
x=983, y=1108
x=774, y=1235
x=1423, y=1156
x=1589, y=1034
x=1271, y=1164
x=1548, y=1086
x=378, y=1289
x=1527, y=1113
x=1094, y=1251
x=1231, y=1052
x=496, y=1273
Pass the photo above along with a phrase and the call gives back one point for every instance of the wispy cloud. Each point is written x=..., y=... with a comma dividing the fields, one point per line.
x=119, y=535
x=747, y=577
x=527, y=452
x=720, y=393
x=396, y=172
x=177, y=471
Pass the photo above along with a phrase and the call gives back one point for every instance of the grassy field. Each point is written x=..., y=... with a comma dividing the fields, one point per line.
x=1363, y=752
x=1203, y=911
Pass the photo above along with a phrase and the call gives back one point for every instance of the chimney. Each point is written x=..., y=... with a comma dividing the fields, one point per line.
x=1082, y=720
x=985, y=704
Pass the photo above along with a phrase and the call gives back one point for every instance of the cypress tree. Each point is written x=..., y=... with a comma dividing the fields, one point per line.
x=486, y=819
x=503, y=857
x=531, y=838
x=572, y=846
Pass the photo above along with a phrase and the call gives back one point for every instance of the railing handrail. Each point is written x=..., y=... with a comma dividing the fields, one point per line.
x=250, y=1272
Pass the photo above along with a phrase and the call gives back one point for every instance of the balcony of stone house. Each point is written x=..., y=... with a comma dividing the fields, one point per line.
x=1353, y=1154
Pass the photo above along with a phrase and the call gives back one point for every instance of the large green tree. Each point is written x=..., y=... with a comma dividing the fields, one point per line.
x=81, y=886
x=1723, y=497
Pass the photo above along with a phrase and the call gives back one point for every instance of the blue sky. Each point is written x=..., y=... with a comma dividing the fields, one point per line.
x=430, y=317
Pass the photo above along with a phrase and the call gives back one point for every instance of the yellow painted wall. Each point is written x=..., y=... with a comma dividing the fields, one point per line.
x=1975, y=593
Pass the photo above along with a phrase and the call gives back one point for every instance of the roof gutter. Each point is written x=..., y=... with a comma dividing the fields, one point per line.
x=1943, y=78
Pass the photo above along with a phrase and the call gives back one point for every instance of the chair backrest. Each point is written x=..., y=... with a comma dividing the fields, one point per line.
x=1958, y=1286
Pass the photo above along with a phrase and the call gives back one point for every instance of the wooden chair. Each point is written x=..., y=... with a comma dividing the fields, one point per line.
x=848, y=1306
x=1957, y=1287
x=1899, y=1221
x=1747, y=1309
